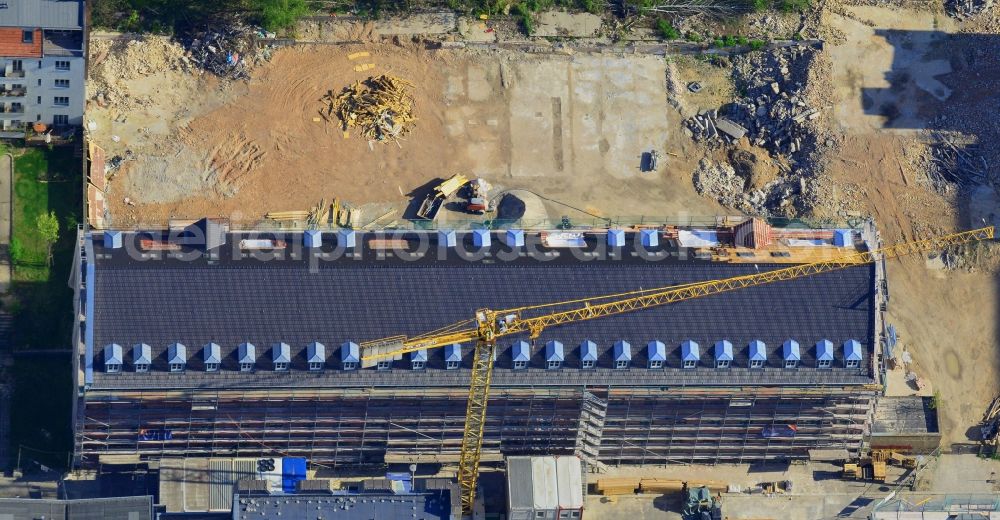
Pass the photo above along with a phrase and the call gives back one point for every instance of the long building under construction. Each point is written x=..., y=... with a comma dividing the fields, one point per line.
x=210, y=342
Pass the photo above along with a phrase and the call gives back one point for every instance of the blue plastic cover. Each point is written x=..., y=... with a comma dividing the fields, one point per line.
x=650, y=237
x=520, y=351
x=312, y=238
x=758, y=351
x=554, y=351
x=616, y=237
x=347, y=238
x=723, y=351
x=350, y=352
x=656, y=351
x=142, y=354
x=176, y=353
x=790, y=350
x=113, y=354
x=316, y=352
x=112, y=239
x=782, y=430
x=690, y=351
x=247, y=353
x=852, y=350
x=843, y=238
x=293, y=469
x=281, y=353
x=824, y=350
x=481, y=237
x=213, y=353
x=588, y=351
x=623, y=351
x=514, y=238
x=446, y=237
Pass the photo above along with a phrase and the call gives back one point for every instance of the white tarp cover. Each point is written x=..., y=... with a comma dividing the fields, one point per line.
x=543, y=483
x=698, y=238
x=570, y=478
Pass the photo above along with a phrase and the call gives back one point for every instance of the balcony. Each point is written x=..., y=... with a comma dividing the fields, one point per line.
x=11, y=74
x=12, y=110
x=62, y=43
x=12, y=92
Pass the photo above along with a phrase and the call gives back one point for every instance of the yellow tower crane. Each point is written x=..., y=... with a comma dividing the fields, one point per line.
x=488, y=325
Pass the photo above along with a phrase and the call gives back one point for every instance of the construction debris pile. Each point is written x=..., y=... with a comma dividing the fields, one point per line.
x=227, y=51
x=722, y=182
x=380, y=107
x=953, y=163
x=773, y=113
x=965, y=8
x=324, y=214
x=116, y=62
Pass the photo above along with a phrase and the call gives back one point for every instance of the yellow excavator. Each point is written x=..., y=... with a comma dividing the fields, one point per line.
x=488, y=325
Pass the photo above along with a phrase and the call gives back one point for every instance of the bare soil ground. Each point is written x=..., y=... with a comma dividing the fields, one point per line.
x=906, y=60
x=570, y=128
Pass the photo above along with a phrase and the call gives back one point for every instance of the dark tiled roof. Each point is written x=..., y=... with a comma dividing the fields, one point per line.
x=229, y=301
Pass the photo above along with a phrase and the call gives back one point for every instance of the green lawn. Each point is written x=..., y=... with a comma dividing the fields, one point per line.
x=44, y=180
x=42, y=304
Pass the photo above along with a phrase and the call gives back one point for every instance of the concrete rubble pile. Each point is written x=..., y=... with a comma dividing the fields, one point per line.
x=773, y=113
x=720, y=181
x=965, y=8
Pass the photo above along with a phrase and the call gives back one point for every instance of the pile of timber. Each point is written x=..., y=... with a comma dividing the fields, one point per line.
x=618, y=485
x=662, y=486
x=380, y=107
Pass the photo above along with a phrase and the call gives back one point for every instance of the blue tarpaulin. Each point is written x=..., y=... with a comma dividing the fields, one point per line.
x=293, y=469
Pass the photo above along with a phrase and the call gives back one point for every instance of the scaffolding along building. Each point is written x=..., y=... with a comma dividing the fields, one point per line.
x=208, y=342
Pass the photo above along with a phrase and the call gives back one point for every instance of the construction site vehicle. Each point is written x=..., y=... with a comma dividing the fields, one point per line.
x=903, y=461
x=700, y=504
x=431, y=205
x=873, y=467
x=878, y=471
x=478, y=199
x=488, y=325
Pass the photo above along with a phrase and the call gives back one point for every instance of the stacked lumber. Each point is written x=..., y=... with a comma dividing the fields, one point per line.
x=381, y=107
x=617, y=485
x=660, y=485
x=287, y=216
x=322, y=214
x=713, y=485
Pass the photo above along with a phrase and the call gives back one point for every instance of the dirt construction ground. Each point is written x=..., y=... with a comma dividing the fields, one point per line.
x=571, y=128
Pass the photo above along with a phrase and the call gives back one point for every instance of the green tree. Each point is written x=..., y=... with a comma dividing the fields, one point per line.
x=48, y=229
